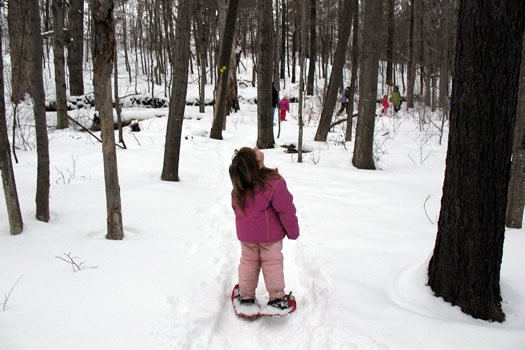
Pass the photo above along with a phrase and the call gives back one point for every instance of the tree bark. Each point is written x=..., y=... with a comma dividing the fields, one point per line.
x=313, y=48
x=170, y=169
x=353, y=78
x=390, y=43
x=224, y=69
x=59, y=63
x=20, y=48
x=465, y=266
x=516, y=192
x=75, y=45
x=264, y=74
x=103, y=57
x=14, y=215
x=39, y=108
x=364, y=138
x=336, y=76
x=411, y=67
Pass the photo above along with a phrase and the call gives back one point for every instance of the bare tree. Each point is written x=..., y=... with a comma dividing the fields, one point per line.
x=353, y=78
x=336, y=76
x=170, y=169
x=39, y=108
x=364, y=140
x=75, y=45
x=411, y=67
x=16, y=224
x=59, y=63
x=390, y=42
x=465, y=267
x=224, y=69
x=516, y=193
x=264, y=74
x=20, y=48
x=313, y=48
x=103, y=57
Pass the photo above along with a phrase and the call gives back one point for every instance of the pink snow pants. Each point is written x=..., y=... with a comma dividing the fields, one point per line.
x=270, y=258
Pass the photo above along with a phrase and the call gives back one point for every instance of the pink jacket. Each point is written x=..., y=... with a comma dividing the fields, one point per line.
x=269, y=216
x=284, y=104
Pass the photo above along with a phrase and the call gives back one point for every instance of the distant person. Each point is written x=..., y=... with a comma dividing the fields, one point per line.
x=264, y=215
x=275, y=101
x=284, y=105
x=344, y=100
x=385, y=105
x=396, y=99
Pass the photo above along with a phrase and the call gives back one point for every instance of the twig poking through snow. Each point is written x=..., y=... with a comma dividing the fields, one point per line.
x=425, y=207
x=6, y=297
x=71, y=260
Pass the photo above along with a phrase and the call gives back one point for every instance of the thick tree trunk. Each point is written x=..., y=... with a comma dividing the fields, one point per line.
x=336, y=75
x=103, y=57
x=20, y=48
x=465, y=266
x=224, y=68
x=14, y=215
x=75, y=45
x=39, y=108
x=364, y=138
x=264, y=74
x=313, y=48
x=59, y=63
x=516, y=193
x=170, y=169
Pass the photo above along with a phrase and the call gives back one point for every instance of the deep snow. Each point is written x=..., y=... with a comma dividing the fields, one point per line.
x=358, y=270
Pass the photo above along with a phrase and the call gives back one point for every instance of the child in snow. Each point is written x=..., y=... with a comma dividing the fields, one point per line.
x=396, y=99
x=344, y=100
x=284, y=105
x=264, y=215
x=385, y=105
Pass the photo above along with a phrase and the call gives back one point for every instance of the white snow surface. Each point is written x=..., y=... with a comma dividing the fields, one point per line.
x=358, y=270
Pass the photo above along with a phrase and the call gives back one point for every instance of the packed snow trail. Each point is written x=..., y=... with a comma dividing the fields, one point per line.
x=201, y=322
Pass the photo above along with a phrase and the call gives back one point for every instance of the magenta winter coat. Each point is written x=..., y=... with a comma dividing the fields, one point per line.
x=269, y=216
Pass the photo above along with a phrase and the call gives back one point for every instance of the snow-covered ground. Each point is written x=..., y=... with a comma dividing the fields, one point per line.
x=358, y=270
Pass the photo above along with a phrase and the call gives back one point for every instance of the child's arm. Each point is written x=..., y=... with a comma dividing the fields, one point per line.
x=282, y=201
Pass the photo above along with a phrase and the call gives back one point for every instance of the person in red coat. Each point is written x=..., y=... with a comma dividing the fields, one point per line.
x=385, y=105
x=284, y=105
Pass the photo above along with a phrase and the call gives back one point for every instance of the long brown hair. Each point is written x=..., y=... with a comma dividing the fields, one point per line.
x=246, y=174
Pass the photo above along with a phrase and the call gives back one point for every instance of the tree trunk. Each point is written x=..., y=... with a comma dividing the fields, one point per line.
x=353, y=79
x=103, y=56
x=364, y=138
x=516, y=193
x=264, y=74
x=411, y=67
x=224, y=68
x=39, y=108
x=313, y=49
x=59, y=63
x=14, y=215
x=75, y=52
x=20, y=48
x=390, y=43
x=465, y=266
x=202, y=47
x=336, y=76
x=444, y=69
x=170, y=169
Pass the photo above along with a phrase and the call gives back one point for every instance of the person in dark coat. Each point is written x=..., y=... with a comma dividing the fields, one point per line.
x=275, y=101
